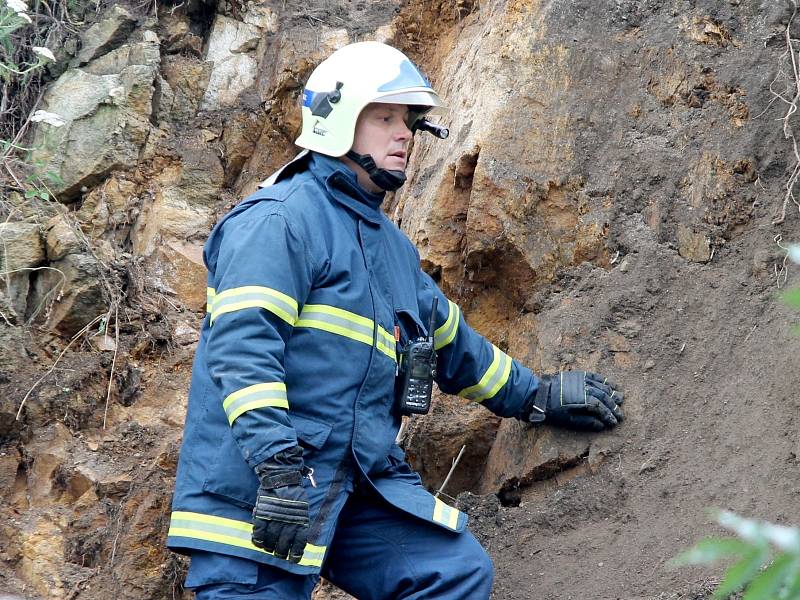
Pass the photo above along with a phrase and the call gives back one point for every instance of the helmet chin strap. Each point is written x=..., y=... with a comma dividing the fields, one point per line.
x=383, y=178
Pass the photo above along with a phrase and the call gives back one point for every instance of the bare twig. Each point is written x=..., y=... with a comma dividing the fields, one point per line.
x=401, y=432
x=450, y=473
x=782, y=273
x=794, y=94
x=113, y=361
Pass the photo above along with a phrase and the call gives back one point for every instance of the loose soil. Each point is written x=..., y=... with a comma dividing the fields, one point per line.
x=680, y=305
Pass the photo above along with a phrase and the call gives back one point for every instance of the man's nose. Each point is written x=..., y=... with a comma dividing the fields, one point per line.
x=403, y=133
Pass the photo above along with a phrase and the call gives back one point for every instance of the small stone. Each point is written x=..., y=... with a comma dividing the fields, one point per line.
x=106, y=34
x=22, y=246
x=185, y=334
x=693, y=246
x=61, y=238
x=104, y=343
x=624, y=265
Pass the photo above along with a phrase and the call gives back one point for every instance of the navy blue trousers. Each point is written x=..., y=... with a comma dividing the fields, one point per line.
x=377, y=553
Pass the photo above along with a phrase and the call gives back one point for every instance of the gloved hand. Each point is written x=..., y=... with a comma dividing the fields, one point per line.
x=576, y=400
x=280, y=517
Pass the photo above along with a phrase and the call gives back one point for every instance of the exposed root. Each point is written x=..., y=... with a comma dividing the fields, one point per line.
x=790, y=97
x=77, y=336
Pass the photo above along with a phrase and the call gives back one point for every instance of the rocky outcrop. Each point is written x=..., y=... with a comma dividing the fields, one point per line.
x=603, y=159
x=107, y=106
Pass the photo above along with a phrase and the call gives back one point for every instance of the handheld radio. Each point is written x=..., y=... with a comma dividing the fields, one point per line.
x=416, y=370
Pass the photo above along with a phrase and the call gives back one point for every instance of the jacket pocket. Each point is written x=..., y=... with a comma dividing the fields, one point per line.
x=232, y=478
x=411, y=326
x=310, y=432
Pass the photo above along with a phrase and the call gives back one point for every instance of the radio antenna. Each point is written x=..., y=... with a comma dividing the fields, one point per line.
x=433, y=319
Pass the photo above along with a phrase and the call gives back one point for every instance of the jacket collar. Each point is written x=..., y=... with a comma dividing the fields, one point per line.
x=342, y=184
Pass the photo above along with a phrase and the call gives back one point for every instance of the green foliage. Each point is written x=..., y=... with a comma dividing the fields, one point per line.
x=23, y=56
x=792, y=298
x=766, y=559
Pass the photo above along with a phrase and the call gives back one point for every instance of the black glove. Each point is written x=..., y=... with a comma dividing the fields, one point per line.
x=280, y=517
x=576, y=400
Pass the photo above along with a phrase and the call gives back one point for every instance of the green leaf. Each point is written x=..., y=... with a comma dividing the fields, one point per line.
x=767, y=584
x=742, y=572
x=44, y=196
x=792, y=297
x=711, y=550
x=54, y=177
x=30, y=193
x=792, y=589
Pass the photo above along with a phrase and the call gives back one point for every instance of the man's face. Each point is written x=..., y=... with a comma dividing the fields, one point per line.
x=381, y=132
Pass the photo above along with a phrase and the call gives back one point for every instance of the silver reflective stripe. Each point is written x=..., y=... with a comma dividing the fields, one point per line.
x=347, y=324
x=444, y=514
x=338, y=321
x=210, y=293
x=313, y=554
x=229, y=532
x=492, y=380
x=447, y=332
x=232, y=300
x=260, y=395
x=386, y=343
x=216, y=530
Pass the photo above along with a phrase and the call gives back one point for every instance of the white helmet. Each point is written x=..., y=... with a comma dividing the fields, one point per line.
x=349, y=79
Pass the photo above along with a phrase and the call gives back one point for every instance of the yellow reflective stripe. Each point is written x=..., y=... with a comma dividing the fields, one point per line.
x=347, y=324
x=260, y=395
x=386, y=343
x=230, y=532
x=339, y=312
x=493, y=379
x=255, y=296
x=313, y=555
x=336, y=320
x=444, y=514
x=210, y=293
x=447, y=332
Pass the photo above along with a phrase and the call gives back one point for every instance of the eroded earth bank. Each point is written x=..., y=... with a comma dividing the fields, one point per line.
x=609, y=199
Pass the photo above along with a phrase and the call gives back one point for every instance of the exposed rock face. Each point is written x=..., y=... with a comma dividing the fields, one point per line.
x=234, y=70
x=22, y=252
x=107, y=110
x=107, y=34
x=604, y=202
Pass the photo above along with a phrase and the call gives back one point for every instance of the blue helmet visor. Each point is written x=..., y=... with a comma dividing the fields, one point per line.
x=409, y=77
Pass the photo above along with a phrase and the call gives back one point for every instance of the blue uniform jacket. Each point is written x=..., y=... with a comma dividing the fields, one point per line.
x=308, y=281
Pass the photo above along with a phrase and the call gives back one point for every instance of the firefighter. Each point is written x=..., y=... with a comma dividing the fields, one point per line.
x=289, y=468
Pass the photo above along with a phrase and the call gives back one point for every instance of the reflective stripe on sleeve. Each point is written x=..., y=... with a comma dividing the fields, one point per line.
x=444, y=514
x=210, y=293
x=347, y=324
x=493, y=379
x=447, y=332
x=255, y=296
x=229, y=532
x=261, y=395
